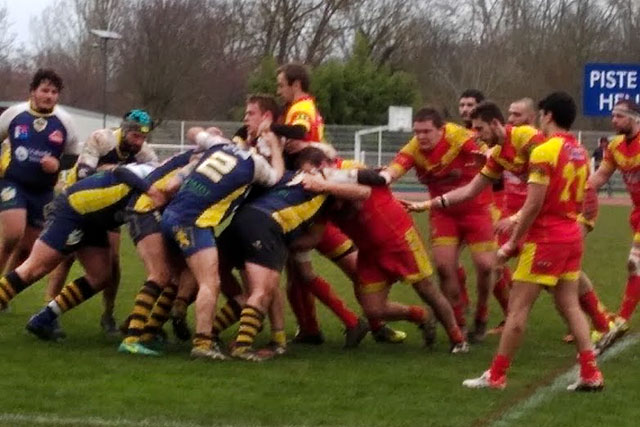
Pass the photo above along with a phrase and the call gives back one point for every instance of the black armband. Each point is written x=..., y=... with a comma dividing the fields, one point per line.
x=67, y=161
x=370, y=177
x=242, y=133
x=129, y=177
x=288, y=131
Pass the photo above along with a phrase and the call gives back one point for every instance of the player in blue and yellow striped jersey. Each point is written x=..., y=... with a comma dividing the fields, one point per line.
x=218, y=184
x=78, y=222
x=40, y=141
x=105, y=149
x=258, y=239
x=154, y=300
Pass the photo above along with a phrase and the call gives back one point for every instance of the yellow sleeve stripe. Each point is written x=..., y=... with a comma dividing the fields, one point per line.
x=290, y=218
x=216, y=213
x=538, y=178
x=88, y=201
x=398, y=168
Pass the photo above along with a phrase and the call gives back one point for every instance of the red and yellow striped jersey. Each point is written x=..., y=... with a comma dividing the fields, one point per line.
x=624, y=155
x=304, y=112
x=561, y=164
x=512, y=158
x=452, y=163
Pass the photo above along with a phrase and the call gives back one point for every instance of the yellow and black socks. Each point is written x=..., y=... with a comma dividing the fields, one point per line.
x=226, y=316
x=202, y=341
x=10, y=286
x=250, y=324
x=72, y=295
x=279, y=337
x=145, y=299
x=159, y=313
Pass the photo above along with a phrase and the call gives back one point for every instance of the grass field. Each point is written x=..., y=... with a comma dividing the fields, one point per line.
x=83, y=381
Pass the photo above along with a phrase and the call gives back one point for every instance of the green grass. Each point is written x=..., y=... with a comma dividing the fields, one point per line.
x=373, y=385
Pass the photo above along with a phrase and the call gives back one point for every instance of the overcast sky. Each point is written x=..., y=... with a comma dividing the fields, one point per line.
x=20, y=13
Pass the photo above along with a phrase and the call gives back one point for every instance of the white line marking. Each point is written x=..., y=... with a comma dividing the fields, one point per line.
x=543, y=394
x=51, y=419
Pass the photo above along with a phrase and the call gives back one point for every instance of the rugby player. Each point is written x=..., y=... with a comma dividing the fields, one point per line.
x=303, y=283
x=553, y=245
x=78, y=222
x=446, y=156
x=522, y=112
x=622, y=154
x=40, y=142
x=104, y=149
x=154, y=300
x=510, y=150
x=219, y=182
x=258, y=238
x=466, y=103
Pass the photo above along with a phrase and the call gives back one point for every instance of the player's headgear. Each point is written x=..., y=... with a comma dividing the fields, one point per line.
x=137, y=120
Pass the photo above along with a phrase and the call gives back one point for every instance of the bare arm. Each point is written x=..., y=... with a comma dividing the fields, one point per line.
x=601, y=176
x=341, y=190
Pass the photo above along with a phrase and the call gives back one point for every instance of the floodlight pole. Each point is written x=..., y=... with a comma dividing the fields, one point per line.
x=105, y=36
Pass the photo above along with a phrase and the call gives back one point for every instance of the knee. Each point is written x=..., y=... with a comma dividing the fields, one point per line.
x=484, y=267
x=374, y=311
x=9, y=242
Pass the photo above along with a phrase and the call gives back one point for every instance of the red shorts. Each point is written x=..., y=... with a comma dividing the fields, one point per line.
x=475, y=228
x=334, y=244
x=409, y=263
x=546, y=263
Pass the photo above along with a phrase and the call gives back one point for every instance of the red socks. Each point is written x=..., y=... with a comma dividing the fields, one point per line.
x=323, y=291
x=417, y=314
x=499, y=367
x=631, y=297
x=303, y=308
x=588, y=366
x=591, y=305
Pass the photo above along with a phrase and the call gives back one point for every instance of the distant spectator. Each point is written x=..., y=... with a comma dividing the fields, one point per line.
x=598, y=155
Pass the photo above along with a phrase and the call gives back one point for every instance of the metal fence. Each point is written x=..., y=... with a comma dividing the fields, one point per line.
x=375, y=149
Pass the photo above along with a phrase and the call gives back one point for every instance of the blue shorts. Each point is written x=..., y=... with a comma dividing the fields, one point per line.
x=187, y=238
x=15, y=196
x=66, y=231
x=142, y=225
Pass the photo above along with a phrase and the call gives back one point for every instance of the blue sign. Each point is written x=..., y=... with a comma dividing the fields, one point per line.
x=606, y=84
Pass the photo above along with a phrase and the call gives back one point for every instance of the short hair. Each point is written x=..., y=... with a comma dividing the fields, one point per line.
x=429, y=114
x=265, y=103
x=487, y=111
x=473, y=93
x=296, y=72
x=46, y=74
x=562, y=108
x=630, y=104
x=312, y=155
x=527, y=101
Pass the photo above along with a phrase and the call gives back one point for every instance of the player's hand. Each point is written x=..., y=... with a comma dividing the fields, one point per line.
x=173, y=185
x=49, y=164
x=505, y=225
x=159, y=198
x=193, y=132
x=314, y=182
x=506, y=251
x=264, y=127
x=416, y=206
x=214, y=131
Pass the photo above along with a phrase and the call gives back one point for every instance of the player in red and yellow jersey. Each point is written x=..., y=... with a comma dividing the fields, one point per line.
x=446, y=157
x=623, y=153
x=301, y=112
x=510, y=148
x=553, y=244
x=390, y=249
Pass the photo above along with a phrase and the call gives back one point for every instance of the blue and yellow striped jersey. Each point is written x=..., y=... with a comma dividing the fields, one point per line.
x=290, y=205
x=216, y=187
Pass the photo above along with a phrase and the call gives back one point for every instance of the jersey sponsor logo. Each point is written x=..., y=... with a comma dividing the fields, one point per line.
x=21, y=132
x=74, y=237
x=40, y=124
x=7, y=193
x=22, y=154
x=56, y=137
